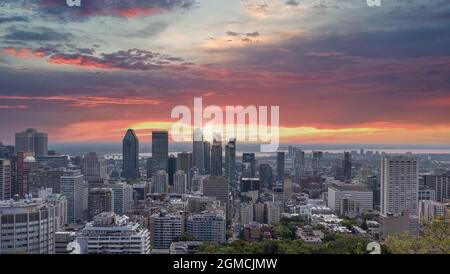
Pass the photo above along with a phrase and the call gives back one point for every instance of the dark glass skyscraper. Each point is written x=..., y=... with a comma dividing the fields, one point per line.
x=347, y=167
x=250, y=159
x=198, y=151
x=266, y=175
x=299, y=164
x=280, y=165
x=207, y=156
x=172, y=168
x=216, y=158
x=160, y=150
x=184, y=161
x=32, y=141
x=130, y=150
x=230, y=163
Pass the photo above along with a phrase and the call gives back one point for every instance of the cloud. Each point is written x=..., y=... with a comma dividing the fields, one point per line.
x=13, y=19
x=42, y=34
x=292, y=3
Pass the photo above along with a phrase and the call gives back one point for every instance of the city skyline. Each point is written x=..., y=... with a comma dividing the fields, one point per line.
x=378, y=76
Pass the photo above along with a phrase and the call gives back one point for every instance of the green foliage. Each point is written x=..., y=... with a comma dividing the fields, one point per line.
x=435, y=240
x=186, y=237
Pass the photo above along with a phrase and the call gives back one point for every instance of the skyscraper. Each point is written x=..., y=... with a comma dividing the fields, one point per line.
x=180, y=182
x=184, y=161
x=72, y=186
x=160, y=182
x=198, y=151
x=216, y=157
x=230, y=163
x=160, y=150
x=280, y=165
x=25, y=164
x=5, y=179
x=441, y=185
x=207, y=156
x=207, y=226
x=32, y=141
x=94, y=167
x=165, y=228
x=250, y=159
x=172, y=168
x=130, y=148
x=216, y=187
x=266, y=175
x=347, y=167
x=100, y=200
x=299, y=164
x=317, y=162
x=400, y=187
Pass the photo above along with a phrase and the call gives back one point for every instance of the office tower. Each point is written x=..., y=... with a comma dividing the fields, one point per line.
x=32, y=141
x=426, y=194
x=172, y=167
x=217, y=187
x=250, y=184
x=100, y=200
x=45, y=178
x=160, y=150
x=278, y=194
x=399, y=188
x=230, y=164
x=373, y=182
x=259, y=209
x=184, y=161
x=251, y=160
x=207, y=226
x=141, y=190
x=207, y=156
x=53, y=161
x=359, y=194
x=94, y=167
x=273, y=213
x=27, y=227
x=441, y=185
x=123, y=196
x=25, y=164
x=149, y=167
x=165, y=228
x=280, y=166
x=72, y=186
x=130, y=149
x=192, y=175
x=198, y=154
x=6, y=152
x=160, y=182
x=180, y=182
x=347, y=167
x=59, y=202
x=291, y=150
x=299, y=164
x=246, y=213
x=317, y=162
x=113, y=234
x=216, y=158
x=5, y=179
x=266, y=175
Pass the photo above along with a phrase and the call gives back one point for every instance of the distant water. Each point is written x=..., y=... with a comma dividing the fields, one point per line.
x=145, y=149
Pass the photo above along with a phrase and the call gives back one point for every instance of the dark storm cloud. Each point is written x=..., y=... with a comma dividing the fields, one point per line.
x=41, y=34
x=14, y=19
x=292, y=3
x=115, y=8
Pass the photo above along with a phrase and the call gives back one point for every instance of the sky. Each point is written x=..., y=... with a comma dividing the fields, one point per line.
x=340, y=71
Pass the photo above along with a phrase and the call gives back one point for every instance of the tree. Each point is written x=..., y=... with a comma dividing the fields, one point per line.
x=184, y=237
x=435, y=240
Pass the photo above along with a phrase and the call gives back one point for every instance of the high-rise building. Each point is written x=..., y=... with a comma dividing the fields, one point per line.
x=373, y=182
x=207, y=156
x=299, y=164
x=113, y=234
x=207, y=226
x=246, y=213
x=59, y=201
x=347, y=167
x=216, y=158
x=432, y=210
x=198, y=155
x=160, y=150
x=32, y=141
x=184, y=161
x=24, y=165
x=359, y=194
x=273, y=212
x=72, y=186
x=217, y=187
x=317, y=162
x=94, y=167
x=100, y=200
x=250, y=159
x=266, y=175
x=6, y=152
x=250, y=184
x=160, y=182
x=441, y=185
x=123, y=196
x=280, y=165
x=5, y=179
x=180, y=182
x=130, y=149
x=165, y=228
x=27, y=227
x=172, y=168
x=230, y=164
x=400, y=187
x=45, y=178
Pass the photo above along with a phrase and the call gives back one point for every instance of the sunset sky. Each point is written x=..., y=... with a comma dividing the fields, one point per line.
x=341, y=71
